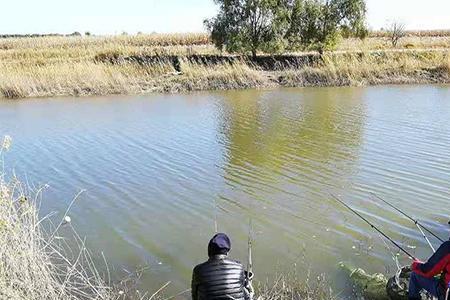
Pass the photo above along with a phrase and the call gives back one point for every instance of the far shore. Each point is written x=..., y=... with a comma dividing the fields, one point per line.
x=52, y=66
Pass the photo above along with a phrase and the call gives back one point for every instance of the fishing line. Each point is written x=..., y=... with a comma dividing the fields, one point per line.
x=415, y=221
x=374, y=227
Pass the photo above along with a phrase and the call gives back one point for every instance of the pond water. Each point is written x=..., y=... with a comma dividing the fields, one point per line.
x=159, y=171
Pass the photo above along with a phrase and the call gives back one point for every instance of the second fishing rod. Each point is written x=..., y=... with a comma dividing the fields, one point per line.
x=416, y=222
x=374, y=227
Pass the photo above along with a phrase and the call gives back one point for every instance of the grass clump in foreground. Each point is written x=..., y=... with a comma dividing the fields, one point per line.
x=289, y=286
x=35, y=264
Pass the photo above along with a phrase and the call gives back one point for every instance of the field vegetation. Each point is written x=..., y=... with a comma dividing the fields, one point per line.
x=250, y=44
x=97, y=65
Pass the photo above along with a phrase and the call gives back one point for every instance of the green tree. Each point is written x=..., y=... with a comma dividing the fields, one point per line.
x=249, y=25
x=316, y=24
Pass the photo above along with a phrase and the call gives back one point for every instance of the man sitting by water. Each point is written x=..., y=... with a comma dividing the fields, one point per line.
x=219, y=277
x=423, y=275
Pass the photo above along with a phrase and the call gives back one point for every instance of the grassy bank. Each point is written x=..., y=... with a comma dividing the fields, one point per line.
x=76, y=66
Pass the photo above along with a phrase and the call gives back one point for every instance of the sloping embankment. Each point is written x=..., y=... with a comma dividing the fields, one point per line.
x=114, y=73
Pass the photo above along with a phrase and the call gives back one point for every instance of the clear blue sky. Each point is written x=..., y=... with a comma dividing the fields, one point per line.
x=115, y=16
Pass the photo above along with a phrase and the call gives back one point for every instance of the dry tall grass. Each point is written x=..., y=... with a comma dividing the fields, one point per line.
x=384, y=43
x=289, y=286
x=34, y=264
x=69, y=66
x=415, y=33
x=446, y=65
x=409, y=67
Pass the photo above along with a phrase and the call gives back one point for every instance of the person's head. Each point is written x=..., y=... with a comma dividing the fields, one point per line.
x=220, y=244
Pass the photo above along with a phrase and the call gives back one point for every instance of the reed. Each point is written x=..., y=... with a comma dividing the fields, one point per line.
x=384, y=43
x=76, y=66
x=34, y=263
x=372, y=69
x=288, y=286
x=447, y=64
x=415, y=33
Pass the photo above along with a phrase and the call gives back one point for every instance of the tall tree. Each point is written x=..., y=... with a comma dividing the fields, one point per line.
x=274, y=25
x=317, y=23
x=249, y=25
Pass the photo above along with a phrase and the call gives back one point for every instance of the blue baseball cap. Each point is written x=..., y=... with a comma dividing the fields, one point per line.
x=219, y=244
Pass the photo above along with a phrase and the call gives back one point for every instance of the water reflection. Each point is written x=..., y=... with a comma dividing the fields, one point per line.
x=271, y=133
x=284, y=152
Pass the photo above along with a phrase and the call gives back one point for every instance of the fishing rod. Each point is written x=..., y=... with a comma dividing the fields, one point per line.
x=416, y=222
x=374, y=227
x=249, y=274
x=216, y=226
x=250, y=244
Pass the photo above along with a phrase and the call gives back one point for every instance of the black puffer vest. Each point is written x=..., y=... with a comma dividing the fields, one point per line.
x=218, y=278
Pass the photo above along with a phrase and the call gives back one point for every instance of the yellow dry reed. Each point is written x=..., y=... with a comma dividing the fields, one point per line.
x=70, y=66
